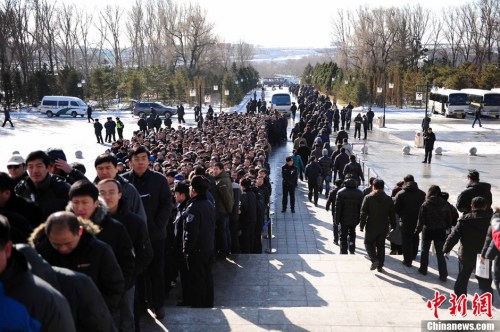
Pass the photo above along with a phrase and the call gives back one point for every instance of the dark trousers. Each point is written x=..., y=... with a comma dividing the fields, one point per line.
x=89, y=117
x=335, y=126
x=120, y=133
x=357, y=130
x=108, y=136
x=410, y=246
x=428, y=155
x=335, y=231
x=99, y=137
x=365, y=131
x=370, y=124
x=464, y=272
x=222, y=235
x=7, y=120
x=181, y=119
x=375, y=247
x=200, y=290
x=478, y=120
x=155, y=274
x=234, y=228
x=287, y=190
x=313, y=190
x=424, y=257
x=345, y=232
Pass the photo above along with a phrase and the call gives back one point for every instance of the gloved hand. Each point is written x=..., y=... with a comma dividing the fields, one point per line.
x=361, y=229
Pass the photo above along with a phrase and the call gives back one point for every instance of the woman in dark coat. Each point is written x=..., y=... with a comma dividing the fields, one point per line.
x=434, y=220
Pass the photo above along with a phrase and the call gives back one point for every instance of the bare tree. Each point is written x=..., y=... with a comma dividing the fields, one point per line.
x=110, y=27
x=190, y=34
x=66, y=42
x=244, y=52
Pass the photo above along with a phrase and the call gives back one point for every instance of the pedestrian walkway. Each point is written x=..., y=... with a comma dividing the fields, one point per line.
x=307, y=285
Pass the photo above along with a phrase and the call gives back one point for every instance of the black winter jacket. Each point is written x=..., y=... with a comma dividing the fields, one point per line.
x=340, y=161
x=313, y=170
x=50, y=196
x=407, y=205
x=348, y=204
x=88, y=308
x=474, y=189
x=199, y=228
x=156, y=199
x=91, y=257
x=471, y=231
x=434, y=218
x=26, y=208
x=326, y=164
x=137, y=230
x=42, y=302
x=289, y=176
x=377, y=213
x=116, y=236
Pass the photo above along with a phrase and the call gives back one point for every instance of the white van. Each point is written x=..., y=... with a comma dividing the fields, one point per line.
x=281, y=102
x=62, y=105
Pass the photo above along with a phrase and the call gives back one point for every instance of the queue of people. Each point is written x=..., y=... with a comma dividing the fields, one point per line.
x=165, y=205
x=408, y=212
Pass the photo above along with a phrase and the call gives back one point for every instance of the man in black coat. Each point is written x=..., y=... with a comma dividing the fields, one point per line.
x=110, y=127
x=342, y=134
x=98, y=131
x=370, y=115
x=65, y=241
x=48, y=191
x=46, y=307
x=429, y=139
x=377, y=214
x=354, y=171
x=87, y=305
x=198, y=244
x=157, y=200
x=313, y=175
x=474, y=188
x=331, y=202
x=9, y=201
x=407, y=205
x=471, y=231
x=290, y=177
x=110, y=191
x=347, y=209
x=340, y=162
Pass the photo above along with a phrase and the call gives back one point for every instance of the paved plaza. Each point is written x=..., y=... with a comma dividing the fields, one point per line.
x=308, y=286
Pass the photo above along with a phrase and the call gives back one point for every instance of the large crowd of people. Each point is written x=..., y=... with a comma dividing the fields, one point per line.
x=167, y=203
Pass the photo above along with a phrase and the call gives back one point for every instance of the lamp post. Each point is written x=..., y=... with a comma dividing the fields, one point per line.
x=216, y=88
x=80, y=85
x=391, y=87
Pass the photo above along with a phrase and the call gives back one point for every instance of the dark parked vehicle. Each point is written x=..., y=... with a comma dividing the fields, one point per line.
x=141, y=108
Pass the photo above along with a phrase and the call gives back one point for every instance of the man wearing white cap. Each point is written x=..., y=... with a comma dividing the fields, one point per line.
x=17, y=168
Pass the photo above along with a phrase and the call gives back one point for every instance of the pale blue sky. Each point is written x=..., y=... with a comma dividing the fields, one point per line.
x=280, y=23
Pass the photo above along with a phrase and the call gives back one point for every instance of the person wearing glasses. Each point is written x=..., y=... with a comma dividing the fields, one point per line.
x=16, y=166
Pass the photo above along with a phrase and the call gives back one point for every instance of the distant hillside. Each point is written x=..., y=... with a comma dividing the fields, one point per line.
x=288, y=61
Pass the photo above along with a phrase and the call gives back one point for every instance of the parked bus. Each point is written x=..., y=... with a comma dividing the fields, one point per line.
x=489, y=100
x=450, y=103
x=281, y=102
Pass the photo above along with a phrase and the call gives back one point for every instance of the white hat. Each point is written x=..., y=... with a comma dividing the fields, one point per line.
x=15, y=159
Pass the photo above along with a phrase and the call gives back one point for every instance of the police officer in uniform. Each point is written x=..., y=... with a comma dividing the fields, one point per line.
x=198, y=245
